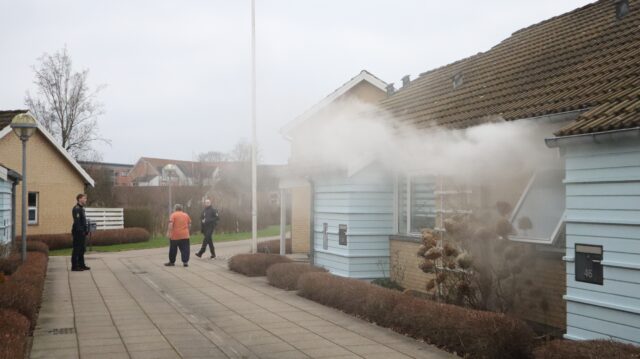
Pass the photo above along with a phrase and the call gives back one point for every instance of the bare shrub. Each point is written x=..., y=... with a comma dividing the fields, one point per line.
x=286, y=275
x=9, y=264
x=273, y=246
x=23, y=291
x=255, y=265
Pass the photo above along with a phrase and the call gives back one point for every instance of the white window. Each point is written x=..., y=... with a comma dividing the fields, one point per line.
x=33, y=201
x=416, y=203
x=538, y=217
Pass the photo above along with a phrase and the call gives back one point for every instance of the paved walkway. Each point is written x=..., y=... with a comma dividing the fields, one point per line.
x=130, y=306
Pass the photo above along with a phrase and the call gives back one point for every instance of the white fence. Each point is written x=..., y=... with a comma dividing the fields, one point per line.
x=106, y=218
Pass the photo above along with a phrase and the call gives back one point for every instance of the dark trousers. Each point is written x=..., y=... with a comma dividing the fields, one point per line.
x=208, y=241
x=77, y=254
x=183, y=244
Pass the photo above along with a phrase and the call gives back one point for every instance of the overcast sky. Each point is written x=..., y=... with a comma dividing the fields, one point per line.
x=177, y=73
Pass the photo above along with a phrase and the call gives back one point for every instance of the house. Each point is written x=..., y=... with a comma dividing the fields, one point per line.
x=150, y=171
x=118, y=173
x=575, y=79
x=363, y=88
x=9, y=179
x=54, y=178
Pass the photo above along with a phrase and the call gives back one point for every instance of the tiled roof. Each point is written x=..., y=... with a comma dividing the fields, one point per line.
x=7, y=116
x=586, y=59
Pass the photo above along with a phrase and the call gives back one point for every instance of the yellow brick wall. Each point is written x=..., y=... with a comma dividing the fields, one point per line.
x=548, y=276
x=404, y=265
x=300, y=219
x=49, y=174
x=550, y=280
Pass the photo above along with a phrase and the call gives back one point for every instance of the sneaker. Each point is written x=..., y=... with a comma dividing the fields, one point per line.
x=77, y=269
x=213, y=256
x=185, y=264
x=199, y=255
x=85, y=268
x=169, y=264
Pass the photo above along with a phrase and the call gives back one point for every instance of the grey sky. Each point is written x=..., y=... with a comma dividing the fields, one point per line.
x=178, y=72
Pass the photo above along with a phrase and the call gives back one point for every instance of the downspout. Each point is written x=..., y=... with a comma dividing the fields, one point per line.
x=312, y=230
x=14, y=185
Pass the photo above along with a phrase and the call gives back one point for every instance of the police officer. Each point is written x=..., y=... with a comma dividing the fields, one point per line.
x=79, y=232
x=208, y=220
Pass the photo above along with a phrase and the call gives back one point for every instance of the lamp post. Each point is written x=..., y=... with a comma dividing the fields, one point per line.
x=24, y=126
x=169, y=170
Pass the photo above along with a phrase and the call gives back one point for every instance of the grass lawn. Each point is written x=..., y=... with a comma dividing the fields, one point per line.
x=162, y=241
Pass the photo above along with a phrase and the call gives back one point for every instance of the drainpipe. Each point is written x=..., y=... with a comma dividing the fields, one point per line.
x=312, y=231
x=13, y=211
x=596, y=137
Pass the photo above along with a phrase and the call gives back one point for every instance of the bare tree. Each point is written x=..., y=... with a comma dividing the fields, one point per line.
x=65, y=105
x=242, y=152
x=213, y=156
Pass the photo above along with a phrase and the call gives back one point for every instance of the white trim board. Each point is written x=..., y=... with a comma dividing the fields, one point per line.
x=62, y=151
x=364, y=75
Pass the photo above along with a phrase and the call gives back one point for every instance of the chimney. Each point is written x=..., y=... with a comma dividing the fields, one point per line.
x=390, y=89
x=405, y=81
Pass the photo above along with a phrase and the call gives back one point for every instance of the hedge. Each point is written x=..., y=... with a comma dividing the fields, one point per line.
x=97, y=238
x=14, y=328
x=255, y=265
x=463, y=331
x=568, y=349
x=9, y=264
x=23, y=291
x=273, y=246
x=286, y=275
x=138, y=218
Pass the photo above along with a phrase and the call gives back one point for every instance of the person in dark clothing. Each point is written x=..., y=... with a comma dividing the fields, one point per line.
x=208, y=220
x=79, y=231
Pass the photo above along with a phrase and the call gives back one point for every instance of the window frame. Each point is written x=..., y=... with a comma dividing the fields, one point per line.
x=407, y=182
x=35, y=208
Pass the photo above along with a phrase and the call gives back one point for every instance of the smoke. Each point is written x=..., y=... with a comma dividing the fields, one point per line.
x=352, y=135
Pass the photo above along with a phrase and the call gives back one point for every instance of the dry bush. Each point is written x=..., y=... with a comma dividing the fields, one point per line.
x=467, y=332
x=14, y=328
x=568, y=349
x=36, y=246
x=98, y=238
x=286, y=275
x=9, y=264
x=273, y=246
x=255, y=265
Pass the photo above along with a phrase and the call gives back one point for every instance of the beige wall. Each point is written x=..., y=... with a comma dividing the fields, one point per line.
x=300, y=219
x=49, y=174
x=404, y=263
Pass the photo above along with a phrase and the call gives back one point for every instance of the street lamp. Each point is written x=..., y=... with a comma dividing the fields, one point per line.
x=169, y=170
x=24, y=126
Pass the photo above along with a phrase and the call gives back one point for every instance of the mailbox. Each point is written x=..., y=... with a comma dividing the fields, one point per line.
x=588, y=260
x=342, y=234
x=93, y=226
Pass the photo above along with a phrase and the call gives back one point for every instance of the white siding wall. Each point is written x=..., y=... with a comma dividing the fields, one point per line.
x=5, y=212
x=603, y=208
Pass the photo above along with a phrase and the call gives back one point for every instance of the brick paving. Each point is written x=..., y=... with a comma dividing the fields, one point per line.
x=131, y=306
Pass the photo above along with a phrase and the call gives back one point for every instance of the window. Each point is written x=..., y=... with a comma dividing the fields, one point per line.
x=416, y=203
x=33, y=201
x=539, y=214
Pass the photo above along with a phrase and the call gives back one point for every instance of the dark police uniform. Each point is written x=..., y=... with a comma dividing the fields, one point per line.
x=208, y=221
x=79, y=231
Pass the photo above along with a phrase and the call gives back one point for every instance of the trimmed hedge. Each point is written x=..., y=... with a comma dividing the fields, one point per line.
x=568, y=349
x=138, y=218
x=23, y=291
x=9, y=264
x=14, y=328
x=98, y=238
x=255, y=265
x=286, y=275
x=466, y=332
x=273, y=246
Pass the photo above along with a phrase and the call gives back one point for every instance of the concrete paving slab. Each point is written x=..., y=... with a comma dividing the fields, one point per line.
x=131, y=306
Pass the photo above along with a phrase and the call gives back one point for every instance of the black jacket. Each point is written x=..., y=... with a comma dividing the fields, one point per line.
x=79, y=220
x=209, y=219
